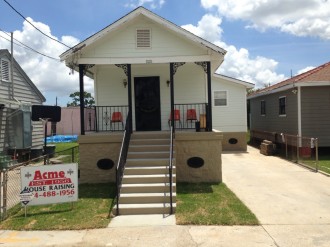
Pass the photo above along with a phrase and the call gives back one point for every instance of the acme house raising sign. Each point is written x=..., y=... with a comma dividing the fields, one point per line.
x=49, y=184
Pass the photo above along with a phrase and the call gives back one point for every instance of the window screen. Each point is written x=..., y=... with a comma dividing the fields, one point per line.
x=220, y=98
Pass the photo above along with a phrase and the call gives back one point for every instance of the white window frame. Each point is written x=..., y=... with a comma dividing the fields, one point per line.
x=214, y=98
x=2, y=70
x=150, y=38
x=285, y=105
x=263, y=113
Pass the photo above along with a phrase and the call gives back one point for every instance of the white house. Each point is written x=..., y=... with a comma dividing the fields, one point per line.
x=18, y=134
x=151, y=77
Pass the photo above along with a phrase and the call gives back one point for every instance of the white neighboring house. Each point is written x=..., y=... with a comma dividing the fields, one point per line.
x=17, y=94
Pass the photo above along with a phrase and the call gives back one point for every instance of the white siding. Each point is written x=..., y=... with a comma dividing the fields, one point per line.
x=122, y=43
x=189, y=86
x=22, y=92
x=233, y=117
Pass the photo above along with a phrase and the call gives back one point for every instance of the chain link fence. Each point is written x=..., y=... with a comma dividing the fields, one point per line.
x=298, y=149
x=10, y=177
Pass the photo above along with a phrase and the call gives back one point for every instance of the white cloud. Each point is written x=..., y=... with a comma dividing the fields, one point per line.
x=237, y=63
x=153, y=4
x=305, y=70
x=50, y=76
x=300, y=18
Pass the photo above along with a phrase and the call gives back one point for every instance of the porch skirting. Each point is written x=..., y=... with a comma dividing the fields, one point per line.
x=234, y=141
x=206, y=147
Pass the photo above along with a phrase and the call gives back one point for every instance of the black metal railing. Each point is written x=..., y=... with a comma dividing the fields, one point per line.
x=122, y=158
x=171, y=170
x=189, y=114
x=106, y=118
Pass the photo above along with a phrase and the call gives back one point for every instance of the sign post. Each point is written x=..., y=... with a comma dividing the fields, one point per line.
x=49, y=184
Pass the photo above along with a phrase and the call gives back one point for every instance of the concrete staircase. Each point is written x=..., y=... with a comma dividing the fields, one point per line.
x=145, y=186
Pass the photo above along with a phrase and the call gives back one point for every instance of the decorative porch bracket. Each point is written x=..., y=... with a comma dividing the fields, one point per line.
x=207, y=69
x=173, y=68
x=127, y=70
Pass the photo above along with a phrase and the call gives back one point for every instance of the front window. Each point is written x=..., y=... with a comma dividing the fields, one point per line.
x=220, y=98
x=263, y=108
x=282, y=106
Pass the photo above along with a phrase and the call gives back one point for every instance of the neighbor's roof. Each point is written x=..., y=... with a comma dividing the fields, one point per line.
x=5, y=52
x=237, y=81
x=133, y=14
x=312, y=77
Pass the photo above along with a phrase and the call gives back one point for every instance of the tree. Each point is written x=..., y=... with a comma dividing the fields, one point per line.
x=88, y=99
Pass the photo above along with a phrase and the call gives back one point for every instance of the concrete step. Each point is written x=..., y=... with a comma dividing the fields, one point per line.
x=158, y=141
x=140, y=179
x=148, y=148
x=148, y=155
x=147, y=188
x=136, y=198
x=147, y=162
x=149, y=208
x=148, y=170
x=151, y=135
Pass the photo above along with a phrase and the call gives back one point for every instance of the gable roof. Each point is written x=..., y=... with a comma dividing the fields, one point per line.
x=234, y=80
x=314, y=77
x=133, y=14
x=5, y=52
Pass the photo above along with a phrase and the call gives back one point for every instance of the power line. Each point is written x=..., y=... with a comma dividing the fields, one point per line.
x=22, y=45
x=34, y=25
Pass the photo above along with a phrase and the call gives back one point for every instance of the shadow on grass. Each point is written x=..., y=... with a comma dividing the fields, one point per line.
x=101, y=190
x=188, y=188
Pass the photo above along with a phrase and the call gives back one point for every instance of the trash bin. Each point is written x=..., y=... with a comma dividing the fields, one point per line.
x=198, y=126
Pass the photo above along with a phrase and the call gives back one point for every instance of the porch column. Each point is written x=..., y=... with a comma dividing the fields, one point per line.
x=209, y=97
x=172, y=94
x=129, y=88
x=82, y=102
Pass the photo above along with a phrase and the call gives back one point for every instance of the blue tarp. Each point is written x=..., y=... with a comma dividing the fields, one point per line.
x=62, y=138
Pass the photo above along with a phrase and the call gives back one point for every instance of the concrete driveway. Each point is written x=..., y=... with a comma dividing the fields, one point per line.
x=291, y=202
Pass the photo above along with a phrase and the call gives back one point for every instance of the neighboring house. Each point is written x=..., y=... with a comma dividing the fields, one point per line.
x=297, y=106
x=17, y=94
x=154, y=75
x=70, y=122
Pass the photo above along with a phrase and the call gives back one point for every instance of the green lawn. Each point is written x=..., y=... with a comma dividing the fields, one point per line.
x=91, y=211
x=324, y=163
x=210, y=204
x=197, y=204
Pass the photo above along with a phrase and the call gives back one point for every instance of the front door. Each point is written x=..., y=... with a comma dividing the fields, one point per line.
x=147, y=103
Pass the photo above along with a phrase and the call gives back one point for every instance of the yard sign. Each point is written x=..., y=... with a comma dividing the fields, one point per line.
x=49, y=184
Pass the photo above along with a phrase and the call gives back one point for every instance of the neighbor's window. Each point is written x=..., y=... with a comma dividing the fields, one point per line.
x=143, y=38
x=5, y=70
x=263, y=108
x=282, y=105
x=220, y=98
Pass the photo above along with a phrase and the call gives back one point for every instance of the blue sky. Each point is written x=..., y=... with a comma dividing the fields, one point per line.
x=265, y=39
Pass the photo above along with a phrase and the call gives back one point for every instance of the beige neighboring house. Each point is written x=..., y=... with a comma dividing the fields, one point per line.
x=17, y=94
x=152, y=75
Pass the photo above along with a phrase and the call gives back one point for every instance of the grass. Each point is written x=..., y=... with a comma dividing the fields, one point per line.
x=67, y=150
x=197, y=204
x=210, y=204
x=324, y=163
x=91, y=211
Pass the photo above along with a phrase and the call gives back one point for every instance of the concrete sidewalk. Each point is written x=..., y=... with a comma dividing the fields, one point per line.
x=292, y=204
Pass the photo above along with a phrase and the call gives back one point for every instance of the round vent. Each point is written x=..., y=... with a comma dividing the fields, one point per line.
x=233, y=141
x=195, y=162
x=105, y=164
